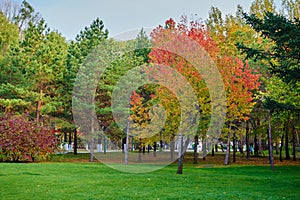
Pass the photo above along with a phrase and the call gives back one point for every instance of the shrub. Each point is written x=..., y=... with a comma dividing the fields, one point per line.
x=22, y=139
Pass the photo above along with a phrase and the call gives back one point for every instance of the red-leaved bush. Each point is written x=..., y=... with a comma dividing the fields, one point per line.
x=25, y=140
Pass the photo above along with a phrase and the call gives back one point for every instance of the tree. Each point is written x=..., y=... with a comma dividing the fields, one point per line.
x=85, y=42
x=283, y=59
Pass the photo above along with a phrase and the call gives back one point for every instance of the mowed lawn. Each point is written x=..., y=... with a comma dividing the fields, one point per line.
x=78, y=180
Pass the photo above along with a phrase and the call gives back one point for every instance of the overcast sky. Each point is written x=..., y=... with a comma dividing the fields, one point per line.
x=71, y=16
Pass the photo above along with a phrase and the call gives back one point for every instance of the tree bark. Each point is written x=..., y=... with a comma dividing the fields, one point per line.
x=92, y=150
x=293, y=141
x=172, y=149
x=287, y=153
x=204, y=148
x=227, y=156
x=127, y=141
x=234, y=148
x=271, y=158
x=196, y=149
x=154, y=149
x=247, y=140
x=104, y=144
x=277, y=146
x=144, y=148
x=180, y=156
x=75, y=141
x=281, y=147
x=140, y=151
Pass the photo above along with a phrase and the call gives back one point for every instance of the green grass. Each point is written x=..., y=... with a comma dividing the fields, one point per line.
x=61, y=180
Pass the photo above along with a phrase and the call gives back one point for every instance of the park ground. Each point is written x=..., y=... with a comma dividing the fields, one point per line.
x=73, y=177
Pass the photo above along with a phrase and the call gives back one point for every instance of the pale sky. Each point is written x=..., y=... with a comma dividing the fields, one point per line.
x=71, y=16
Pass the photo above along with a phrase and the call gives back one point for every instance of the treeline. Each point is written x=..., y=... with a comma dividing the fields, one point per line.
x=256, y=53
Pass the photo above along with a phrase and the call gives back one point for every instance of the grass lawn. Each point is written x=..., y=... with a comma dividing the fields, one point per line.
x=83, y=180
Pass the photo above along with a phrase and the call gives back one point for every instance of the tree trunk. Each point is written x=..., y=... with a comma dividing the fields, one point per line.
x=148, y=148
x=196, y=149
x=297, y=136
x=154, y=149
x=204, y=148
x=127, y=141
x=287, y=153
x=104, y=144
x=271, y=158
x=140, y=151
x=247, y=140
x=216, y=147
x=75, y=141
x=227, y=156
x=293, y=141
x=123, y=144
x=213, y=150
x=144, y=148
x=172, y=149
x=281, y=147
x=65, y=137
x=92, y=150
x=70, y=141
x=256, y=146
x=277, y=146
x=180, y=156
x=234, y=148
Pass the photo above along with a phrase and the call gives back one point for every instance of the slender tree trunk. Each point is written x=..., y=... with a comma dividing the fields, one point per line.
x=234, y=148
x=144, y=148
x=104, y=144
x=247, y=140
x=172, y=149
x=92, y=150
x=297, y=136
x=70, y=140
x=123, y=144
x=180, y=156
x=92, y=139
x=216, y=147
x=271, y=158
x=287, y=153
x=277, y=146
x=293, y=141
x=140, y=151
x=148, y=148
x=181, y=152
x=65, y=137
x=154, y=149
x=196, y=149
x=227, y=156
x=127, y=141
x=281, y=147
x=213, y=150
x=204, y=149
x=75, y=141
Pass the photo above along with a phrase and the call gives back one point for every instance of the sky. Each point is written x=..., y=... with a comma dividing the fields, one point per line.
x=123, y=18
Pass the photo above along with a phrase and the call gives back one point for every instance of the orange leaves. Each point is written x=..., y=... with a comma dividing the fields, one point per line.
x=140, y=113
x=240, y=81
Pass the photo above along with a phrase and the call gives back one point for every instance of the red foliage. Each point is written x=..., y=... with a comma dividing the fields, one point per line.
x=22, y=139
